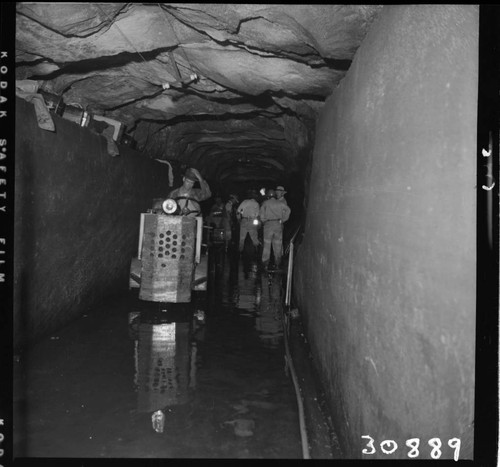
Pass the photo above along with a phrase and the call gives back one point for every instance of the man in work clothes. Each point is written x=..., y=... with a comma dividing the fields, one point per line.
x=216, y=216
x=189, y=197
x=248, y=214
x=273, y=213
x=229, y=220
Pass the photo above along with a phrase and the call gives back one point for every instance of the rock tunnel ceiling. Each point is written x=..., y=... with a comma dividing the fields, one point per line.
x=233, y=89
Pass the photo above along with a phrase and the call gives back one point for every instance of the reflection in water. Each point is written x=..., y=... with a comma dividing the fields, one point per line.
x=269, y=321
x=165, y=346
x=166, y=342
x=244, y=293
x=248, y=291
x=163, y=365
x=201, y=380
x=165, y=357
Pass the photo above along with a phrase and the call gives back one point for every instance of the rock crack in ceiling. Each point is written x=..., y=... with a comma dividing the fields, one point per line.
x=263, y=73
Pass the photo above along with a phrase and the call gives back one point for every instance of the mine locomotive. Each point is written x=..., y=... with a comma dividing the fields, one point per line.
x=169, y=263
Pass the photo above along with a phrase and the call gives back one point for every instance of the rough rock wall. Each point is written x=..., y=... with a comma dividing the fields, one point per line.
x=385, y=276
x=77, y=212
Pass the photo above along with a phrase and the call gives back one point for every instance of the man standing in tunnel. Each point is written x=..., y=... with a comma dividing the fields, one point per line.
x=273, y=213
x=189, y=197
x=280, y=194
x=248, y=215
x=216, y=215
x=229, y=219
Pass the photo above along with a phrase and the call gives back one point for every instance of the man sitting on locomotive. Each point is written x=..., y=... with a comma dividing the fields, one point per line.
x=188, y=198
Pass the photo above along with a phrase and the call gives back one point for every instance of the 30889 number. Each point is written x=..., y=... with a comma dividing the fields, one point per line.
x=389, y=446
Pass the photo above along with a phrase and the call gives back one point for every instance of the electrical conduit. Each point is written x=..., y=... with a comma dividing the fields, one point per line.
x=289, y=363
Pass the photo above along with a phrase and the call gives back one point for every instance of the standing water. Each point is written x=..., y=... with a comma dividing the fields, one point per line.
x=137, y=379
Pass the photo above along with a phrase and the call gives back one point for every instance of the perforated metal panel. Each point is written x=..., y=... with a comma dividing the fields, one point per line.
x=168, y=252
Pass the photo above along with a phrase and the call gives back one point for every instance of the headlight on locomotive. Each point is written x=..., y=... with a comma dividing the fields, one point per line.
x=169, y=206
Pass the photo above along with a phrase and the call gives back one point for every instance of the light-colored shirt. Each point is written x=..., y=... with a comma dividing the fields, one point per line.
x=273, y=209
x=248, y=208
x=199, y=194
x=193, y=195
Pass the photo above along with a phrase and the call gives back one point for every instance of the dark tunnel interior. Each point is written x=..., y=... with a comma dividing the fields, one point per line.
x=369, y=116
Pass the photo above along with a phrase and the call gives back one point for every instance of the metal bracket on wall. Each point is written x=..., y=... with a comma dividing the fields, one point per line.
x=174, y=64
x=180, y=81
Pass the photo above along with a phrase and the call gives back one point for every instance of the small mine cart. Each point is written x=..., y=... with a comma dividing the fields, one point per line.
x=169, y=263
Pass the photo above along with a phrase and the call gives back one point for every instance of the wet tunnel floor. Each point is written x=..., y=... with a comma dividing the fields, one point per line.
x=214, y=367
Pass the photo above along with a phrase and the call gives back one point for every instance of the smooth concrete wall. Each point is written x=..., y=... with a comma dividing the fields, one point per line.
x=76, y=228
x=385, y=276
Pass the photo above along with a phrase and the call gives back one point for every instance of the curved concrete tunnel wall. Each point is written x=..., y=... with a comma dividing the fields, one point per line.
x=385, y=276
x=76, y=227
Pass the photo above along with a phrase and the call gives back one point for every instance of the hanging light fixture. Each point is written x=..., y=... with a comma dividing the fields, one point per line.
x=180, y=82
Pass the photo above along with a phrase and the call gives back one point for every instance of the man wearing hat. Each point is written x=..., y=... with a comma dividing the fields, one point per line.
x=189, y=197
x=273, y=213
x=280, y=194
